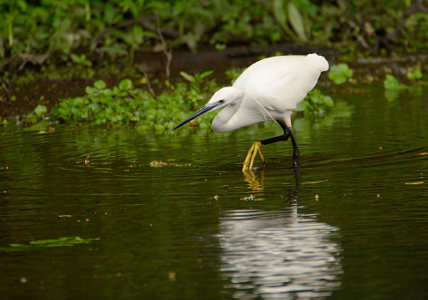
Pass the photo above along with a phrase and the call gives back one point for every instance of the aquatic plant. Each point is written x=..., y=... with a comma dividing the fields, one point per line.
x=49, y=243
x=390, y=83
x=125, y=104
x=393, y=86
x=315, y=104
x=340, y=73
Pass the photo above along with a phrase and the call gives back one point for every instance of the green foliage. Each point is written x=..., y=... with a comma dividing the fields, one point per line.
x=390, y=83
x=3, y=122
x=49, y=243
x=285, y=13
x=340, y=73
x=315, y=103
x=36, y=31
x=197, y=80
x=40, y=110
x=125, y=105
x=81, y=60
x=233, y=74
x=35, y=116
x=393, y=87
x=414, y=75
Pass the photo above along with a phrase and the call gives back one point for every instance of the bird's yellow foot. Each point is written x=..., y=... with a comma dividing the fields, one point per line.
x=251, y=155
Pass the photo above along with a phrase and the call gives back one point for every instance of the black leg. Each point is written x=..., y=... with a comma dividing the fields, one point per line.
x=296, y=152
x=283, y=137
x=288, y=133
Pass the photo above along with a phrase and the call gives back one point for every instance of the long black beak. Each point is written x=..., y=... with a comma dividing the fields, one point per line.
x=202, y=111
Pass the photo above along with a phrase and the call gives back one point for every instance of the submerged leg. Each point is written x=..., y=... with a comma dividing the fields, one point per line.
x=296, y=152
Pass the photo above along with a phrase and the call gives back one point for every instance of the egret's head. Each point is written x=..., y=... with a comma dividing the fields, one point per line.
x=223, y=97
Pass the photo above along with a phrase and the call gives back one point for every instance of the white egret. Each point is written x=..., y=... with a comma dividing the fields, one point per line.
x=269, y=89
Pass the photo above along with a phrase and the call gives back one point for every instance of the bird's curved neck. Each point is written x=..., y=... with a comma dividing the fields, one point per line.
x=223, y=118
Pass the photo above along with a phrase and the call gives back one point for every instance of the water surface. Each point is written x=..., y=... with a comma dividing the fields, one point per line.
x=176, y=218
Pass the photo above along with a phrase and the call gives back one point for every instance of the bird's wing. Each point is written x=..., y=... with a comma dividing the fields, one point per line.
x=277, y=96
x=257, y=110
x=279, y=82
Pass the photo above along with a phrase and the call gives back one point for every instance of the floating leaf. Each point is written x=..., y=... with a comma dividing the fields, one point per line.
x=414, y=183
x=160, y=164
x=48, y=243
x=315, y=182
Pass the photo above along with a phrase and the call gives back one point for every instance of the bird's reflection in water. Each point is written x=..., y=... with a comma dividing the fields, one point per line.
x=279, y=254
x=256, y=183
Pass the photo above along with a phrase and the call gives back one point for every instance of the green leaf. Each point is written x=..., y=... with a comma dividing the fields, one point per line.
x=279, y=12
x=340, y=73
x=100, y=84
x=205, y=74
x=392, y=84
x=48, y=243
x=138, y=34
x=188, y=77
x=415, y=75
x=40, y=110
x=90, y=90
x=296, y=21
x=109, y=13
x=30, y=118
x=125, y=84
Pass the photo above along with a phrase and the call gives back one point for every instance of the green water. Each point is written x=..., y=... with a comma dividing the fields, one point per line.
x=350, y=223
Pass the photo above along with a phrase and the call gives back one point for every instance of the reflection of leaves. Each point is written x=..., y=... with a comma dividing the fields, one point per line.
x=48, y=243
x=340, y=110
x=391, y=94
x=392, y=87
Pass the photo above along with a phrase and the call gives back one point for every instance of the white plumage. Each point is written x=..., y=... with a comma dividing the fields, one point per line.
x=269, y=89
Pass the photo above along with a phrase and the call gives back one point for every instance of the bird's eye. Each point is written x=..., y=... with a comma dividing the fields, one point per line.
x=221, y=101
